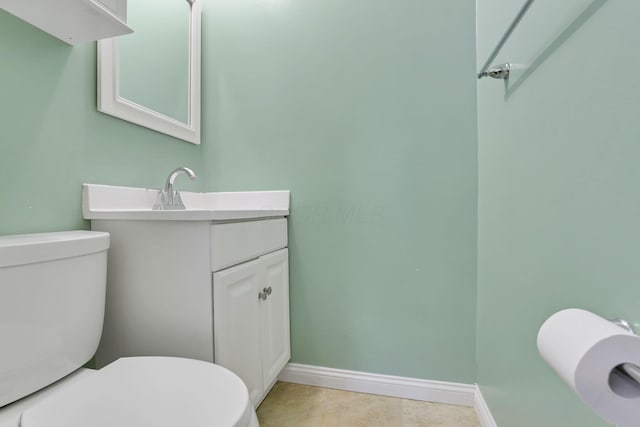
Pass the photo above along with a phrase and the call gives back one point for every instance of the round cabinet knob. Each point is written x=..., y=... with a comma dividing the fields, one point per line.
x=264, y=294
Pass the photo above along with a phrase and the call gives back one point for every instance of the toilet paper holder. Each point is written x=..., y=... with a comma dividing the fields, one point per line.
x=629, y=369
x=624, y=324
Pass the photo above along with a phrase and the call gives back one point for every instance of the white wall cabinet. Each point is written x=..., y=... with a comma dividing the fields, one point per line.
x=251, y=320
x=73, y=21
x=190, y=289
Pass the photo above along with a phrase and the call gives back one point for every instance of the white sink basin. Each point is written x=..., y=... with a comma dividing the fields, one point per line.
x=111, y=202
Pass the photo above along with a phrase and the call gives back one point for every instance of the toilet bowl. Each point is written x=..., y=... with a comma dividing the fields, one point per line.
x=52, y=289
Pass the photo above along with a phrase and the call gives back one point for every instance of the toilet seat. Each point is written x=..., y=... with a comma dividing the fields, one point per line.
x=149, y=392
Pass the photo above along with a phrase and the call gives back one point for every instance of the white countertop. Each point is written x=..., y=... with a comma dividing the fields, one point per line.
x=131, y=203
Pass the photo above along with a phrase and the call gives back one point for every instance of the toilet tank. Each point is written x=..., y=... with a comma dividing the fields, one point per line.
x=52, y=296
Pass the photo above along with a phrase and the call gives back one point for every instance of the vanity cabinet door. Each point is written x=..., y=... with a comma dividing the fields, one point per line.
x=236, y=320
x=274, y=310
x=251, y=320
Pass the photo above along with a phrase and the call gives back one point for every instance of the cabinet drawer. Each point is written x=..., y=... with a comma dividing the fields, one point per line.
x=236, y=242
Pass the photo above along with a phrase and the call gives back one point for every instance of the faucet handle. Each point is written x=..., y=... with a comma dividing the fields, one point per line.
x=177, y=201
x=159, y=204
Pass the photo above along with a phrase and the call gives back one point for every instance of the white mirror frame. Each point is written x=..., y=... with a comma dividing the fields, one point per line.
x=110, y=101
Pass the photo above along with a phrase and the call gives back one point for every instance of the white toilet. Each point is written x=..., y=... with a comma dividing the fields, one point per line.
x=52, y=295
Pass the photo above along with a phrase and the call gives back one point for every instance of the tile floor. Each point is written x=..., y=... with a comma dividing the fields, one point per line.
x=295, y=405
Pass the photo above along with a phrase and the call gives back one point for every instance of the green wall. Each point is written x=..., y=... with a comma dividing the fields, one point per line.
x=559, y=204
x=52, y=139
x=346, y=104
x=365, y=109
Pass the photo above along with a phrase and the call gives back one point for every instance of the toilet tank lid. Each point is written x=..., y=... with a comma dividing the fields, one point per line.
x=23, y=249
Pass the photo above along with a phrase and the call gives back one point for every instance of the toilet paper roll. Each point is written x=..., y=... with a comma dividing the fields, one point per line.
x=588, y=352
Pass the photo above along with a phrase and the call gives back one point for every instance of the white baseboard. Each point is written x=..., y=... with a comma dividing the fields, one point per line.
x=385, y=385
x=388, y=385
x=482, y=410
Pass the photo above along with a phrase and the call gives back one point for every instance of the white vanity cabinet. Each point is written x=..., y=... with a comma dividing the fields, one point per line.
x=251, y=301
x=210, y=290
x=251, y=320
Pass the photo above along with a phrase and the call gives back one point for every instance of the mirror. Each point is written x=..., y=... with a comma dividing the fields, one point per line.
x=152, y=77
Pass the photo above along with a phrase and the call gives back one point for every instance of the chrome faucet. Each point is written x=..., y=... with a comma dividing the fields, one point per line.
x=168, y=198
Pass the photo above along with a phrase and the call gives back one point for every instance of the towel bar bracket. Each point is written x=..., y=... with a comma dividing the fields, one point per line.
x=485, y=71
x=501, y=71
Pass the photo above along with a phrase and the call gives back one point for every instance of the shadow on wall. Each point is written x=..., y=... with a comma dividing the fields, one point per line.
x=512, y=85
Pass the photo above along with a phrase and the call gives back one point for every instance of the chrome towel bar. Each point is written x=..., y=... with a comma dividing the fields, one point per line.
x=484, y=71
